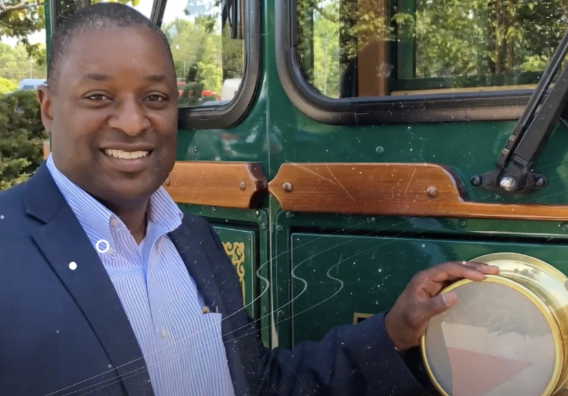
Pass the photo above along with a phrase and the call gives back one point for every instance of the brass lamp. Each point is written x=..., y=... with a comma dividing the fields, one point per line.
x=506, y=336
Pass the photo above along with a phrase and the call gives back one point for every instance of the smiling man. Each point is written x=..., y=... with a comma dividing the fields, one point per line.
x=107, y=288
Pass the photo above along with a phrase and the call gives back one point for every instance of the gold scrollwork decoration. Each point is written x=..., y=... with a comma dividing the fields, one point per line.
x=236, y=252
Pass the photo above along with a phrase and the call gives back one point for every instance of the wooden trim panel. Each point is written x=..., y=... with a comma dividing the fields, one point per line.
x=394, y=189
x=226, y=184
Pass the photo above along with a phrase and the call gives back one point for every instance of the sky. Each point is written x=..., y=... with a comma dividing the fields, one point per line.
x=174, y=9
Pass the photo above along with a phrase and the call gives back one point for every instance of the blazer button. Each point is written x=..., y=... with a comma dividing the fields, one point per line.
x=164, y=333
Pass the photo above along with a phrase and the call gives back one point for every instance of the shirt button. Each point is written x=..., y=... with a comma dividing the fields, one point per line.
x=114, y=221
x=164, y=333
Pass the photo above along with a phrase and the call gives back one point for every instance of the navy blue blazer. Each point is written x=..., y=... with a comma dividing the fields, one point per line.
x=65, y=332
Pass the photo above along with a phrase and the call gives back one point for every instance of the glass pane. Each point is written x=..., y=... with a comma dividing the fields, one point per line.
x=209, y=63
x=363, y=48
x=495, y=341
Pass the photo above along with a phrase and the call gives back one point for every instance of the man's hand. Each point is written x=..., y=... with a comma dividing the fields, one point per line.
x=406, y=322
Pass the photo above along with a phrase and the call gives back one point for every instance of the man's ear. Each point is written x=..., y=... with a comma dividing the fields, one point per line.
x=44, y=99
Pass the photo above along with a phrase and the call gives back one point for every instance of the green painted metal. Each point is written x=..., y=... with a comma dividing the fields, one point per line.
x=338, y=275
x=275, y=132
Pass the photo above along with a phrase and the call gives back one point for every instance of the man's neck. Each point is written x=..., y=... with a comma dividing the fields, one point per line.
x=134, y=216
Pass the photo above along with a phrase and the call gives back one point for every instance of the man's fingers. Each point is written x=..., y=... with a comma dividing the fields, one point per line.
x=486, y=269
x=432, y=307
x=459, y=270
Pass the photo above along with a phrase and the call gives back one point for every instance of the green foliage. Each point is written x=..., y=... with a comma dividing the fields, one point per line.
x=203, y=53
x=15, y=64
x=7, y=86
x=19, y=19
x=21, y=138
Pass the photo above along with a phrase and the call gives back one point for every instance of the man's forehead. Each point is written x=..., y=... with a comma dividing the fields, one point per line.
x=98, y=53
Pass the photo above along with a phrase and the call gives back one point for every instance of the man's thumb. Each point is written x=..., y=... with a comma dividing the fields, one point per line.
x=441, y=303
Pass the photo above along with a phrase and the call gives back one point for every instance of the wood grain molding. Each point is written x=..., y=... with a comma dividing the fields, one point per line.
x=225, y=184
x=396, y=189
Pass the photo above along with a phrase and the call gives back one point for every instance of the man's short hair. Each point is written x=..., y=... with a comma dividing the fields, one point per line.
x=97, y=16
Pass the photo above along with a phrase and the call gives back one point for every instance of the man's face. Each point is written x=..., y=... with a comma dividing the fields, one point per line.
x=112, y=113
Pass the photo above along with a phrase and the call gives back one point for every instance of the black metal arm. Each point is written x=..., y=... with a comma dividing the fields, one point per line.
x=513, y=169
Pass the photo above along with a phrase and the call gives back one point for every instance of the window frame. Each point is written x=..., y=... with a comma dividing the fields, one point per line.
x=211, y=116
x=408, y=109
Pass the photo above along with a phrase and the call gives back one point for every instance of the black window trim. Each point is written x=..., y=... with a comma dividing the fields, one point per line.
x=230, y=114
x=459, y=107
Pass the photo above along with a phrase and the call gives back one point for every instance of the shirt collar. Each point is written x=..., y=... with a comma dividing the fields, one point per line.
x=163, y=212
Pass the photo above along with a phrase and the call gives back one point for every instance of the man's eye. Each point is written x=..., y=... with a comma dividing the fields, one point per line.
x=98, y=97
x=155, y=98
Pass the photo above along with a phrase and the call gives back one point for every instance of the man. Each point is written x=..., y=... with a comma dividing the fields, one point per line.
x=106, y=288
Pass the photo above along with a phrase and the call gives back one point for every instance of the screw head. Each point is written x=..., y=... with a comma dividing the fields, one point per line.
x=279, y=228
x=242, y=186
x=432, y=191
x=289, y=215
x=507, y=183
x=214, y=209
x=564, y=227
x=539, y=182
x=379, y=150
x=462, y=223
x=287, y=187
x=476, y=181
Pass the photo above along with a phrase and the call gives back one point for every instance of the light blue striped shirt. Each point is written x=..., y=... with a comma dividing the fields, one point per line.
x=182, y=347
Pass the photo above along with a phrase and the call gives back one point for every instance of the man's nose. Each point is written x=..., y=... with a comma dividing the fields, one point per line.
x=130, y=117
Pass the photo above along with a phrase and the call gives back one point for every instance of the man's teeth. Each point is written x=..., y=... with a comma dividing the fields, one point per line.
x=126, y=154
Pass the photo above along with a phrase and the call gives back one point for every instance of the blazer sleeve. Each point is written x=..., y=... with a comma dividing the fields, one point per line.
x=350, y=360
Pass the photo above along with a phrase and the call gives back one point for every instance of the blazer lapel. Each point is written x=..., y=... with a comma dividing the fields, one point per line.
x=203, y=272
x=62, y=240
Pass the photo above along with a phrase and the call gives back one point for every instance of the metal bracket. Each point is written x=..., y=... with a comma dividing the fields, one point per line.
x=513, y=169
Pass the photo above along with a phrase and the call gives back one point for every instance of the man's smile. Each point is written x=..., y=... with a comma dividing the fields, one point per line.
x=128, y=161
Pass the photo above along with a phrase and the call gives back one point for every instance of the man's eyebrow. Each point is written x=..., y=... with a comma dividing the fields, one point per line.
x=155, y=77
x=96, y=77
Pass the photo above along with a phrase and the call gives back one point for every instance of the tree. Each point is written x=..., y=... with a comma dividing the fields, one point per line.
x=16, y=65
x=21, y=138
x=7, y=86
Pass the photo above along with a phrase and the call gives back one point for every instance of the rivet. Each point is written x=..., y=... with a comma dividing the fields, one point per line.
x=167, y=182
x=432, y=191
x=287, y=187
x=379, y=150
x=214, y=209
x=462, y=223
x=476, y=181
x=289, y=215
x=242, y=185
x=564, y=226
x=279, y=228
